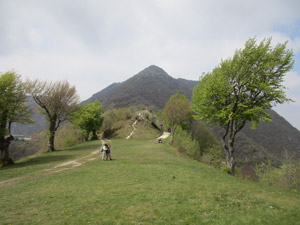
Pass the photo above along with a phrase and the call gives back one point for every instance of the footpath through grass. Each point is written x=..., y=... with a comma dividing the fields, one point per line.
x=146, y=183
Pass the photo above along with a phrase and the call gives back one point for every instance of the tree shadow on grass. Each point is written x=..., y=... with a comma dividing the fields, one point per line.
x=49, y=157
x=87, y=146
x=39, y=160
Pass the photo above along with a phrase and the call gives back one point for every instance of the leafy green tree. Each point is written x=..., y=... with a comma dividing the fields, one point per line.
x=12, y=109
x=176, y=112
x=89, y=118
x=241, y=88
x=58, y=102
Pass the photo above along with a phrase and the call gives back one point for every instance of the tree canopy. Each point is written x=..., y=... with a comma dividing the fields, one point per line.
x=176, y=112
x=58, y=102
x=241, y=88
x=12, y=108
x=89, y=118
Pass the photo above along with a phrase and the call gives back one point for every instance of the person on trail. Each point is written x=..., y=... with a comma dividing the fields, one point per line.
x=103, y=150
x=108, y=152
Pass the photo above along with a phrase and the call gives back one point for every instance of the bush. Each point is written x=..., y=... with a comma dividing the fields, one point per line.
x=286, y=176
x=225, y=169
x=202, y=134
x=68, y=136
x=213, y=155
x=210, y=149
x=247, y=173
x=185, y=144
x=200, y=144
x=290, y=175
x=266, y=173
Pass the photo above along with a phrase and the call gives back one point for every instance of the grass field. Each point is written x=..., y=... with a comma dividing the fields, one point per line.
x=146, y=183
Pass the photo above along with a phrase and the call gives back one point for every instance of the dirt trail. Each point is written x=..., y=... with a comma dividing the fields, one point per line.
x=58, y=168
x=134, y=129
x=73, y=163
x=140, y=117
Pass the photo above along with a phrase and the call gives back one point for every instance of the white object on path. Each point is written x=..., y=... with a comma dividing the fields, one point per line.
x=164, y=135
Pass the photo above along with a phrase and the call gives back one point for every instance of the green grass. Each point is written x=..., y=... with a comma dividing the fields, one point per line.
x=146, y=183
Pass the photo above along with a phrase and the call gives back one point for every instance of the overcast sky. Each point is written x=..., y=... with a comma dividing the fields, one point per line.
x=93, y=43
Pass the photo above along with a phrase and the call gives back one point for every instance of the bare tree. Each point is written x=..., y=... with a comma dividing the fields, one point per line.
x=58, y=101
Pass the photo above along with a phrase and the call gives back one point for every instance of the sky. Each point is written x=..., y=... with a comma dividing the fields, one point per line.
x=94, y=43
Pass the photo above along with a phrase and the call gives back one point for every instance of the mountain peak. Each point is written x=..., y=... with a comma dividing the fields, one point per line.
x=153, y=69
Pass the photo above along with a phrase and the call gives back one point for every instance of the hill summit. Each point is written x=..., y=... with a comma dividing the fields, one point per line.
x=150, y=87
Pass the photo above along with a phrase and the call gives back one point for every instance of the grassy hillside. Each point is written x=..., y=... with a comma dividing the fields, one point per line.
x=146, y=183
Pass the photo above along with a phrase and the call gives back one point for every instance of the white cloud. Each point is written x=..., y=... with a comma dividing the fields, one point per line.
x=291, y=110
x=95, y=43
x=292, y=81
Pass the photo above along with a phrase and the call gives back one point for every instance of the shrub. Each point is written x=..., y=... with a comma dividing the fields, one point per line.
x=202, y=134
x=186, y=145
x=247, y=173
x=286, y=176
x=68, y=136
x=210, y=149
x=266, y=173
x=290, y=175
x=213, y=155
x=200, y=144
x=225, y=169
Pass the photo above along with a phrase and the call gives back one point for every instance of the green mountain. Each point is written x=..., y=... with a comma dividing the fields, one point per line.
x=274, y=140
x=150, y=87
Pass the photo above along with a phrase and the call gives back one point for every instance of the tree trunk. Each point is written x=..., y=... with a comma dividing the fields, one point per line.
x=52, y=129
x=5, y=142
x=94, y=137
x=4, y=146
x=228, y=147
x=51, y=142
x=9, y=128
x=172, y=134
x=231, y=161
x=232, y=128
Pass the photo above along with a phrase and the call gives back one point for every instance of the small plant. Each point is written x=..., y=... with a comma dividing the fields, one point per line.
x=225, y=169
